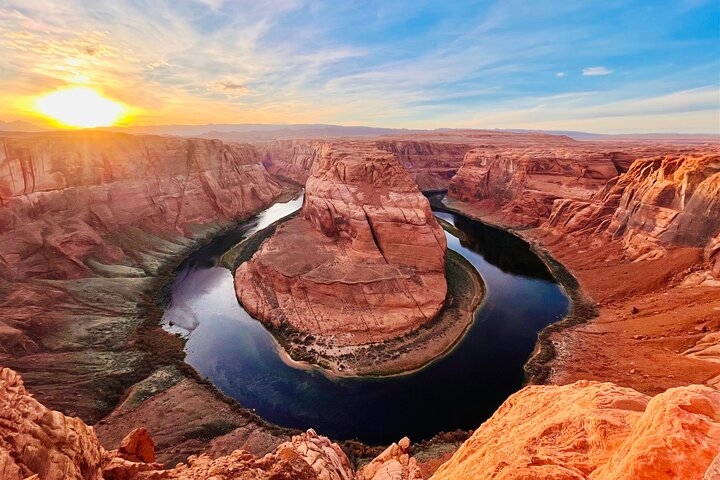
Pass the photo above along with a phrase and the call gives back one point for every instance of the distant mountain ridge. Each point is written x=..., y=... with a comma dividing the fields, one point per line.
x=260, y=132
x=20, y=126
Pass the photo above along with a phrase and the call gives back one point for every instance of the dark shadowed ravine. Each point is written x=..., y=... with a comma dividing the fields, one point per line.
x=459, y=390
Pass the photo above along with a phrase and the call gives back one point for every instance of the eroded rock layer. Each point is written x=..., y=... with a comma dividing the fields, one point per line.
x=660, y=201
x=517, y=185
x=89, y=224
x=363, y=263
x=430, y=163
x=593, y=431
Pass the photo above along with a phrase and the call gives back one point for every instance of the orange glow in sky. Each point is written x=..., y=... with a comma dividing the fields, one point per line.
x=80, y=107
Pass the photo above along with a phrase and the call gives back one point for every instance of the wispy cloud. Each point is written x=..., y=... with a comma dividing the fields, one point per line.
x=596, y=71
x=408, y=63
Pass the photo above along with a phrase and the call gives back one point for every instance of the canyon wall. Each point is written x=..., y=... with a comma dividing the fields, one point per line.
x=661, y=201
x=363, y=263
x=430, y=163
x=517, y=185
x=291, y=159
x=91, y=225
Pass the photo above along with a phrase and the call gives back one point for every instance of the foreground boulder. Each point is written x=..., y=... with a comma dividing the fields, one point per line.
x=365, y=261
x=36, y=440
x=595, y=431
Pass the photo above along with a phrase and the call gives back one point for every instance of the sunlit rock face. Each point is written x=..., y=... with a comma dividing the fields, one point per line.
x=431, y=164
x=593, y=431
x=363, y=263
x=518, y=185
x=88, y=221
x=39, y=443
x=65, y=196
x=36, y=440
x=660, y=201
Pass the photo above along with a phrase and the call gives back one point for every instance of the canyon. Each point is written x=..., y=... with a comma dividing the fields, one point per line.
x=93, y=224
x=363, y=264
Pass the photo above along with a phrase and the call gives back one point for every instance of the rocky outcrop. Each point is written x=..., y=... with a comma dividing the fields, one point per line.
x=35, y=440
x=517, y=186
x=66, y=198
x=593, y=431
x=365, y=261
x=659, y=202
x=395, y=462
x=431, y=164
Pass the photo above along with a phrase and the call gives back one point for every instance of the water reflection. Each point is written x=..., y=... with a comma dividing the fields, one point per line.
x=460, y=390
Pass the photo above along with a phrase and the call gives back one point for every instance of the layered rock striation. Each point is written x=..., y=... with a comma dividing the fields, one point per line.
x=430, y=163
x=36, y=442
x=364, y=262
x=91, y=224
x=660, y=201
x=517, y=185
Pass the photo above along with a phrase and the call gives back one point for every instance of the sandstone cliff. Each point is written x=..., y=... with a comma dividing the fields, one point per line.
x=517, y=185
x=660, y=201
x=431, y=164
x=291, y=159
x=586, y=430
x=593, y=431
x=365, y=261
x=89, y=225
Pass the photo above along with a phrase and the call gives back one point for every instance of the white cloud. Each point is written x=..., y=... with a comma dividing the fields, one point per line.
x=560, y=74
x=596, y=71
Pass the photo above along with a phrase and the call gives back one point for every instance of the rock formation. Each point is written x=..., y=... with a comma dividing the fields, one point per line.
x=517, y=185
x=36, y=442
x=593, y=431
x=430, y=163
x=660, y=201
x=363, y=263
x=587, y=430
x=395, y=462
x=291, y=159
x=89, y=223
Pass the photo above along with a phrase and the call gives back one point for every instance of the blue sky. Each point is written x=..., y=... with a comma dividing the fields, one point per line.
x=603, y=66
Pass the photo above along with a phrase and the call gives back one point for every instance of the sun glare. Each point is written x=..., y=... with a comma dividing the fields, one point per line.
x=80, y=107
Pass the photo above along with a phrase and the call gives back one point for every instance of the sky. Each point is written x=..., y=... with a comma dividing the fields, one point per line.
x=610, y=66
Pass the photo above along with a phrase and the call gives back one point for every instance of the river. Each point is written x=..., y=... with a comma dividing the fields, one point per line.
x=459, y=390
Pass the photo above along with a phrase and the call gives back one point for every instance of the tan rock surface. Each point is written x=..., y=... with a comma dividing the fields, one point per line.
x=517, y=185
x=395, y=463
x=364, y=262
x=36, y=440
x=628, y=229
x=596, y=431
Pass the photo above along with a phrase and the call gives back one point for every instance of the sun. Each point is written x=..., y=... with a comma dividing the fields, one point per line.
x=80, y=107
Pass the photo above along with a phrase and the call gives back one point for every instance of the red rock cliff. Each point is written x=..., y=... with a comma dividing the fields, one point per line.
x=88, y=221
x=660, y=201
x=364, y=262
